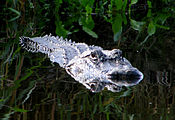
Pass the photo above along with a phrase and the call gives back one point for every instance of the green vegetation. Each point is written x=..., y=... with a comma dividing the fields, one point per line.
x=31, y=86
x=71, y=16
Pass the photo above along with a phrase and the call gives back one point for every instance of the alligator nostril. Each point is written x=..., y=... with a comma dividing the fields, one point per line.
x=134, y=74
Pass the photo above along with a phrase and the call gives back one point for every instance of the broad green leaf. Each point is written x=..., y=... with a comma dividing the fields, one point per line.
x=134, y=2
x=151, y=28
x=117, y=26
x=149, y=4
x=90, y=32
x=117, y=35
x=60, y=30
x=88, y=10
x=118, y=4
x=124, y=19
x=124, y=5
x=136, y=25
x=117, y=23
x=149, y=13
x=86, y=21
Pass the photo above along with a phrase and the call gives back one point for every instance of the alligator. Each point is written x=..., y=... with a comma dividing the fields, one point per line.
x=97, y=69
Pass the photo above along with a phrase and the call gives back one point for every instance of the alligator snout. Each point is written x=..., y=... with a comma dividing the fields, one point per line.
x=126, y=78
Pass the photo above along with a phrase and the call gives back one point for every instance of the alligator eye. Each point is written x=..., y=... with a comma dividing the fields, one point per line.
x=94, y=57
x=93, y=54
x=97, y=56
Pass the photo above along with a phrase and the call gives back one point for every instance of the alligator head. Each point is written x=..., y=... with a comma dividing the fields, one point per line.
x=99, y=69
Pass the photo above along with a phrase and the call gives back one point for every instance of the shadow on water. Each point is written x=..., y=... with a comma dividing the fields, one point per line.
x=33, y=87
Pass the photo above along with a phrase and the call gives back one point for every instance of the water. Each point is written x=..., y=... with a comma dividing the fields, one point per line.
x=34, y=88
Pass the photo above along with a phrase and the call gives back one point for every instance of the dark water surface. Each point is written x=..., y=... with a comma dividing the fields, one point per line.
x=32, y=87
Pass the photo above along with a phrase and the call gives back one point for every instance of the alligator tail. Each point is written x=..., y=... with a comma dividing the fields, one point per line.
x=56, y=48
x=33, y=46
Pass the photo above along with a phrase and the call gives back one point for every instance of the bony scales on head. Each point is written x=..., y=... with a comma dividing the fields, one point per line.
x=92, y=66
